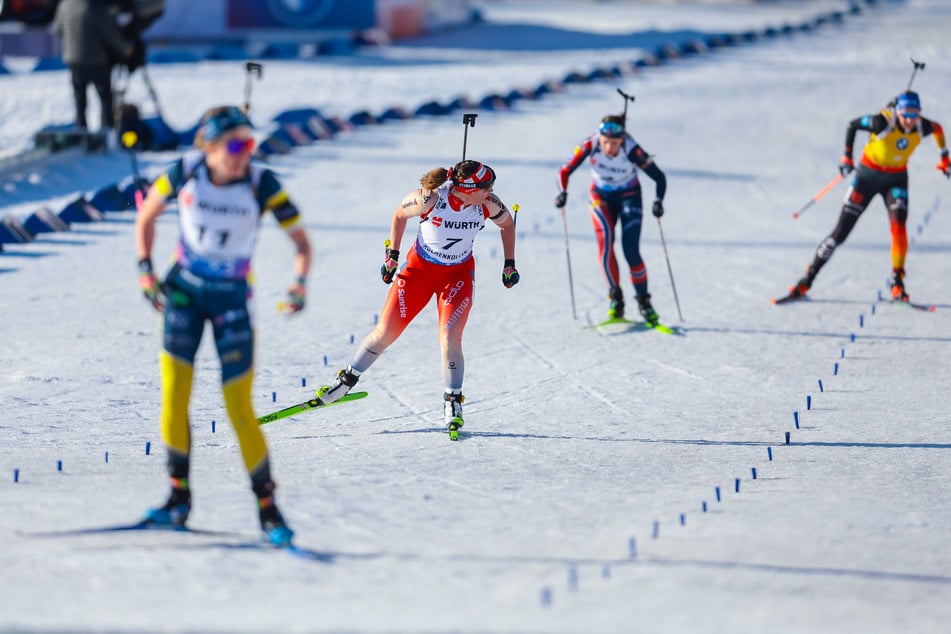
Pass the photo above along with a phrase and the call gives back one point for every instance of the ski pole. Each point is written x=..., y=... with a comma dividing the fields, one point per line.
x=669, y=270
x=822, y=192
x=571, y=285
x=129, y=139
x=468, y=120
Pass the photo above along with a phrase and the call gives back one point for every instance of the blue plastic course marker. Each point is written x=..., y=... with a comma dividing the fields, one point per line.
x=808, y=401
x=546, y=596
x=632, y=548
x=795, y=417
x=148, y=447
x=717, y=491
x=769, y=453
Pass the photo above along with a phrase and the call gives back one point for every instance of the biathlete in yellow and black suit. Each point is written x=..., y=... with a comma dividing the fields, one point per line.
x=221, y=198
x=895, y=133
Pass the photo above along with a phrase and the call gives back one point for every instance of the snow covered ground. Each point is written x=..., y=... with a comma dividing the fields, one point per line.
x=605, y=482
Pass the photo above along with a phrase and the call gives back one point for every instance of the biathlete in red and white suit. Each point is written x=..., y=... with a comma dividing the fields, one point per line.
x=453, y=206
x=614, y=157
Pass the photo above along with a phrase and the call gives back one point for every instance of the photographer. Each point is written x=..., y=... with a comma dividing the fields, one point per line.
x=91, y=42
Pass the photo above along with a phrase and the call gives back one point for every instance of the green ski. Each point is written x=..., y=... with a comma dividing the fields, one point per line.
x=621, y=321
x=306, y=406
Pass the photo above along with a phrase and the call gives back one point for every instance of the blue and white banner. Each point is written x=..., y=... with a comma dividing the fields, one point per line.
x=301, y=14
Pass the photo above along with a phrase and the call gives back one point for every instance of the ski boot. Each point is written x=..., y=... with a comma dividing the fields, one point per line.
x=344, y=382
x=452, y=413
x=616, y=308
x=647, y=311
x=800, y=288
x=276, y=530
x=174, y=513
x=898, y=286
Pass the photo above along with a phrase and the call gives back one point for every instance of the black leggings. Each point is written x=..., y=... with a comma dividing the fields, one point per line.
x=100, y=76
x=892, y=187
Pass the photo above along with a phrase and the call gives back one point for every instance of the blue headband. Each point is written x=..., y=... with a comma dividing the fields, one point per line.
x=228, y=119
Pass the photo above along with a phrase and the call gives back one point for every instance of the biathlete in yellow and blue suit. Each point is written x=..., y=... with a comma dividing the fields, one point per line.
x=221, y=198
x=895, y=133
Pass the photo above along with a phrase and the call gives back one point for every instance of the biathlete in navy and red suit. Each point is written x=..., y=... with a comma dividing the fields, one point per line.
x=614, y=157
x=453, y=206
x=896, y=132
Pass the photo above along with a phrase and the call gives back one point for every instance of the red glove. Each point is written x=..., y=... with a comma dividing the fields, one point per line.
x=944, y=165
x=846, y=165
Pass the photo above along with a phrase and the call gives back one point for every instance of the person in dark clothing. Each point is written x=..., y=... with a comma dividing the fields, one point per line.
x=90, y=41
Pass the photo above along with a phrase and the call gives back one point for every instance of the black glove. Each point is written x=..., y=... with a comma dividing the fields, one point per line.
x=510, y=276
x=658, y=208
x=561, y=199
x=388, y=270
x=150, y=285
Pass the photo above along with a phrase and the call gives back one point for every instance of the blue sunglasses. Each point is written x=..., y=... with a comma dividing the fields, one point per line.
x=611, y=129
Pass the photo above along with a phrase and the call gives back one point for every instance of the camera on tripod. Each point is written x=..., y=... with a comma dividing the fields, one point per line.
x=133, y=17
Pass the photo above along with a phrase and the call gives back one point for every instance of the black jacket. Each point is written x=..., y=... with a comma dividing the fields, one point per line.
x=88, y=33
